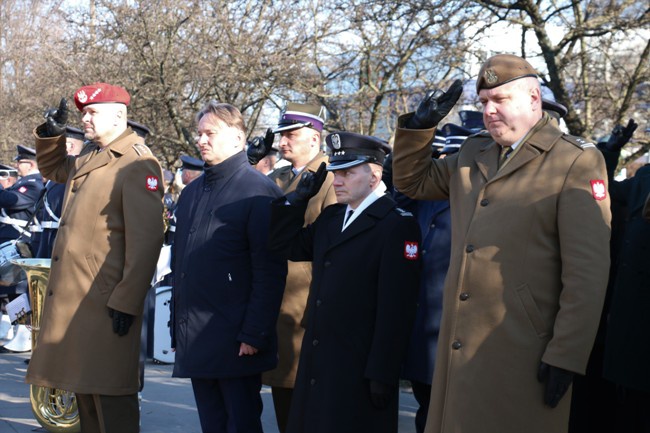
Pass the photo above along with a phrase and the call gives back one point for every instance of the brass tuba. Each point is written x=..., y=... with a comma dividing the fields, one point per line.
x=54, y=409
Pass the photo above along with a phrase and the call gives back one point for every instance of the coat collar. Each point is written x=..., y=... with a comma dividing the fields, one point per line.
x=91, y=158
x=539, y=140
x=311, y=166
x=364, y=222
x=227, y=168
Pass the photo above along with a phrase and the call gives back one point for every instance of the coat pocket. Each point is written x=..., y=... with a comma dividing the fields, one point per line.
x=532, y=311
x=98, y=281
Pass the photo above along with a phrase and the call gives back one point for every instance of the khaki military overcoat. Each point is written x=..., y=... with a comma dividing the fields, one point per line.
x=294, y=300
x=527, y=278
x=109, y=239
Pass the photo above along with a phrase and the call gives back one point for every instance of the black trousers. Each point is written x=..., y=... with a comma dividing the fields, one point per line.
x=281, y=404
x=108, y=413
x=229, y=405
x=422, y=394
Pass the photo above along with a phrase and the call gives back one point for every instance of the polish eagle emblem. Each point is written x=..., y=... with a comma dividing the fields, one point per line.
x=82, y=97
x=598, y=189
x=411, y=250
x=152, y=183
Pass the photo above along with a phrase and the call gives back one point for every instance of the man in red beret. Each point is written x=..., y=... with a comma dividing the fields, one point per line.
x=109, y=238
x=529, y=260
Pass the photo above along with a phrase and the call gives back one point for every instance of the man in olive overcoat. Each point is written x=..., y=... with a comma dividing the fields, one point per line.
x=530, y=255
x=300, y=128
x=109, y=238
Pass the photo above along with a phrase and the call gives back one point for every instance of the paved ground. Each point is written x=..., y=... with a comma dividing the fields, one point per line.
x=167, y=403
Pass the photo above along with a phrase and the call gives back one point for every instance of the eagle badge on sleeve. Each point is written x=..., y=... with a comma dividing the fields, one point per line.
x=411, y=250
x=152, y=183
x=598, y=189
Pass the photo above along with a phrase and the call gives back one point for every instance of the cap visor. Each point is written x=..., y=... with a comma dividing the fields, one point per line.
x=340, y=165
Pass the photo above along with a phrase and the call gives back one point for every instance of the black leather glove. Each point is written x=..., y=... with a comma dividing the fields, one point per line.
x=259, y=147
x=435, y=106
x=620, y=136
x=557, y=382
x=380, y=394
x=308, y=186
x=56, y=119
x=121, y=321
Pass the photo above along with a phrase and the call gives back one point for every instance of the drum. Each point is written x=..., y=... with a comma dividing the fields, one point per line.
x=10, y=273
x=162, y=340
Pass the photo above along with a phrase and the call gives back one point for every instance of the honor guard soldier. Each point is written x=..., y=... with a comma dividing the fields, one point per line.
x=49, y=211
x=365, y=259
x=300, y=127
x=8, y=176
x=191, y=168
x=529, y=254
x=17, y=202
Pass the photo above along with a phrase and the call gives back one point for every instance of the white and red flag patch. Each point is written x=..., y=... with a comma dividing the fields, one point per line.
x=598, y=189
x=22, y=189
x=152, y=183
x=411, y=250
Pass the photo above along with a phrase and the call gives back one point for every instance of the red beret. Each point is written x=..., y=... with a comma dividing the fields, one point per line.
x=99, y=93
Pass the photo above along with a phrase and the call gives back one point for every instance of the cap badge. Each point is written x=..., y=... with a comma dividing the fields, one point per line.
x=82, y=97
x=336, y=141
x=598, y=189
x=152, y=183
x=411, y=250
x=491, y=76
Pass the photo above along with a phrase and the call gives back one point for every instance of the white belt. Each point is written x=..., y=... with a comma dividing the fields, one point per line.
x=13, y=221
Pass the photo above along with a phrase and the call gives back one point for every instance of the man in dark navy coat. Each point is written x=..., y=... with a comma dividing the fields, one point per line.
x=627, y=340
x=366, y=269
x=228, y=287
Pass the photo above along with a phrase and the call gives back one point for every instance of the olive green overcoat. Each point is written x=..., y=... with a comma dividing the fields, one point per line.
x=528, y=272
x=109, y=239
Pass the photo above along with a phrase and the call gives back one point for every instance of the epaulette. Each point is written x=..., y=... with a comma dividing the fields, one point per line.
x=141, y=149
x=578, y=141
x=403, y=212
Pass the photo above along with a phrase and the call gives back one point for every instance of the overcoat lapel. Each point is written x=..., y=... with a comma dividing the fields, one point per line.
x=364, y=222
x=486, y=160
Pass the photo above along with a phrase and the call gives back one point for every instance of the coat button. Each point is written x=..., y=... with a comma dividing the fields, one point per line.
x=485, y=202
x=182, y=274
x=313, y=381
x=74, y=189
x=56, y=258
x=464, y=296
x=456, y=345
x=61, y=223
x=327, y=264
x=315, y=342
x=318, y=302
x=469, y=248
x=49, y=293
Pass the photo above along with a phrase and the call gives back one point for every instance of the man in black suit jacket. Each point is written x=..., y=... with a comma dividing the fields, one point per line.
x=366, y=268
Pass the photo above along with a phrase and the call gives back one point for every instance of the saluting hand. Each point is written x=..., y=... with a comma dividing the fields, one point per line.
x=308, y=186
x=259, y=147
x=56, y=119
x=435, y=106
x=621, y=136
